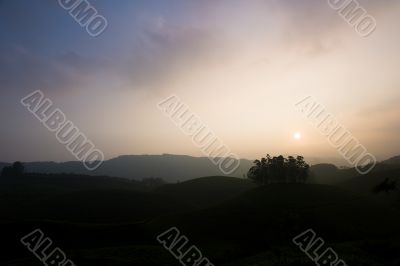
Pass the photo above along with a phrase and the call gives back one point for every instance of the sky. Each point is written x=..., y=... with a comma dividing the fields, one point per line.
x=240, y=65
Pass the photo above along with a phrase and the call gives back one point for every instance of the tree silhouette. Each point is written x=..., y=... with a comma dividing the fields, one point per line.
x=386, y=186
x=15, y=170
x=279, y=170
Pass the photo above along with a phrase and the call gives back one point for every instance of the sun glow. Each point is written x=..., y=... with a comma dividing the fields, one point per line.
x=297, y=136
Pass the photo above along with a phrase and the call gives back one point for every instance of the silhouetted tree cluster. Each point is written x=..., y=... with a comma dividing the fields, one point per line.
x=15, y=170
x=279, y=170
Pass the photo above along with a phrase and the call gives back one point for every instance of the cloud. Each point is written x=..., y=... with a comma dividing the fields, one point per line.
x=163, y=46
x=162, y=51
x=23, y=70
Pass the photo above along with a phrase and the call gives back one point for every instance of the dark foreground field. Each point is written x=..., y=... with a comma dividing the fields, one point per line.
x=108, y=221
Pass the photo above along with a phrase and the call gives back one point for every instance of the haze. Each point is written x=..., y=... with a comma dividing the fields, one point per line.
x=239, y=65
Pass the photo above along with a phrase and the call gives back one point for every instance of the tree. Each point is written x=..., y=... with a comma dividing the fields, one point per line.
x=15, y=170
x=386, y=186
x=279, y=170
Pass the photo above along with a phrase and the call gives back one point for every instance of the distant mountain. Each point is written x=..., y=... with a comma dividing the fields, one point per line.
x=324, y=173
x=393, y=160
x=329, y=174
x=172, y=168
x=175, y=168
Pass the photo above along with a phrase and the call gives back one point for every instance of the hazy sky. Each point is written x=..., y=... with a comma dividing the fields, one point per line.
x=239, y=65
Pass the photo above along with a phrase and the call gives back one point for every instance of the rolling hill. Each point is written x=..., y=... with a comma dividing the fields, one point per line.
x=207, y=191
x=365, y=183
x=115, y=221
x=269, y=216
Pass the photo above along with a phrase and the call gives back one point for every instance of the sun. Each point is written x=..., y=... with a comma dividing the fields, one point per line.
x=297, y=136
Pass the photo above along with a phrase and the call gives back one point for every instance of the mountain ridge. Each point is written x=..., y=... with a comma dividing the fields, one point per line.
x=171, y=167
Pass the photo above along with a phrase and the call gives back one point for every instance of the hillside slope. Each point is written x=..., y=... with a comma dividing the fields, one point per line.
x=274, y=214
x=207, y=191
